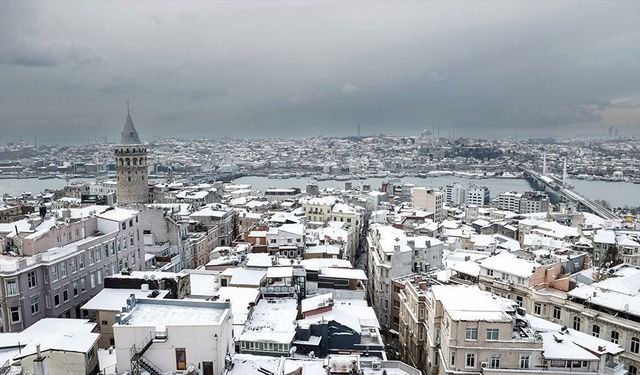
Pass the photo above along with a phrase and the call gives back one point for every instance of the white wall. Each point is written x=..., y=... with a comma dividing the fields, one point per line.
x=200, y=343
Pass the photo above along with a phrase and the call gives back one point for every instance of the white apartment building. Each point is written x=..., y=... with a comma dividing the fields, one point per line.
x=162, y=336
x=476, y=195
x=455, y=194
x=431, y=200
x=392, y=254
x=524, y=203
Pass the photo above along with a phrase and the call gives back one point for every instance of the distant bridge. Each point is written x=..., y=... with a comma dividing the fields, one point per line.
x=555, y=184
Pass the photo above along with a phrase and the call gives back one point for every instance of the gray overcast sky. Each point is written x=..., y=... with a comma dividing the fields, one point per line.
x=207, y=69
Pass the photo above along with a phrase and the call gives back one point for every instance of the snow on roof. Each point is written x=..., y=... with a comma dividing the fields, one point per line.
x=272, y=320
x=240, y=298
x=604, y=236
x=203, y=284
x=321, y=201
x=469, y=303
x=316, y=264
x=244, y=364
x=189, y=194
x=366, y=314
x=323, y=249
x=343, y=273
x=345, y=318
x=173, y=313
x=71, y=335
x=260, y=260
x=247, y=277
x=297, y=229
x=258, y=233
x=620, y=291
x=468, y=268
x=279, y=272
x=208, y=211
x=508, y=263
x=343, y=209
x=574, y=343
x=316, y=302
x=109, y=299
x=118, y=214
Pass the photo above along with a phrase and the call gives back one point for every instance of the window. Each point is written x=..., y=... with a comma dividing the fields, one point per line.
x=576, y=323
x=99, y=276
x=47, y=301
x=65, y=295
x=633, y=370
x=537, y=308
x=72, y=265
x=81, y=262
x=453, y=359
x=470, y=360
x=12, y=287
x=15, y=314
x=595, y=330
x=489, y=272
x=524, y=361
x=556, y=312
x=519, y=301
x=56, y=299
x=493, y=333
x=32, y=279
x=54, y=272
x=471, y=334
x=35, y=306
x=83, y=287
x=92, y=280
x=75, y=289
x=181, y=359
x=63, y=270
x=494, y=361
x=635, y=345
x=615, y=337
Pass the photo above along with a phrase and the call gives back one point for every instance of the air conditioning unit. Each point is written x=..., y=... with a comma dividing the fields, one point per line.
x=376, y=365
x=484, y=364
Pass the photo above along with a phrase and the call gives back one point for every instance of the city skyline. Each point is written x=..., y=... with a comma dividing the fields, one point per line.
x=308, y=69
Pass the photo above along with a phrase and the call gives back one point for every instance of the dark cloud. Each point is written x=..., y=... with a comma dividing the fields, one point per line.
x=308, y=68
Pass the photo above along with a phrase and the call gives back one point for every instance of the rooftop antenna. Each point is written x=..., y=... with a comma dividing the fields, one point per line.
x=127, y=106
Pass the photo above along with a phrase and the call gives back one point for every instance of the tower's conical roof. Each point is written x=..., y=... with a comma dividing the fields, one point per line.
x=129, y=135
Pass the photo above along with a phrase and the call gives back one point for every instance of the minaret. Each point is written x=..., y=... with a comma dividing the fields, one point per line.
x=564, y=171
x=132, y=170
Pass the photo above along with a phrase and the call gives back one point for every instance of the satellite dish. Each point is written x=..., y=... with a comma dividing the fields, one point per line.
x=292, y=351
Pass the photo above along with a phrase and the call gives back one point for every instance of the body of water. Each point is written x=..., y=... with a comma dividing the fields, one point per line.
x=617, y=194
x=34, y=186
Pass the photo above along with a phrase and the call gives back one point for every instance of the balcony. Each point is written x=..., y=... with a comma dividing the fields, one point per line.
x=614, y=369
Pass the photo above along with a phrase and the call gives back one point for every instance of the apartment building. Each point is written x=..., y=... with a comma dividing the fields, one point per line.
x=169, y=336
x=477, y=195
x=455, y=329
x=221, y=217
x=431, y=200
x=63, y=262
x=455, y=194
x=523, y=203
x=393, y=254
x=607, y=308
